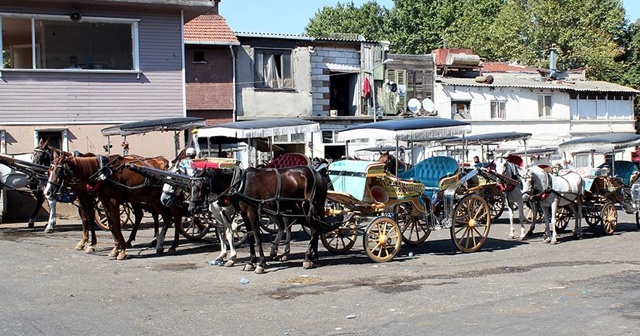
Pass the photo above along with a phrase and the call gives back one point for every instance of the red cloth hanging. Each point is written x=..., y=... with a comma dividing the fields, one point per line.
x=366, y=89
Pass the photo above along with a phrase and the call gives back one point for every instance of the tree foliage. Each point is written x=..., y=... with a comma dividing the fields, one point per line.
x=590, y=34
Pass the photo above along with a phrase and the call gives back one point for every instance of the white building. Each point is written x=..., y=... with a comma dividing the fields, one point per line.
x=554, y=111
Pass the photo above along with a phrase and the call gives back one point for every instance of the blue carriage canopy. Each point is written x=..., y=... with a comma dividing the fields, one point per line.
x=409, y=129
x=488, y=138
x=260, y=128
x=145, y=126
x=602, y=143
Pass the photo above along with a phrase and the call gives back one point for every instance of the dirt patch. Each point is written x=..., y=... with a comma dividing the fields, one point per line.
x=175, y=267
x=302, y=280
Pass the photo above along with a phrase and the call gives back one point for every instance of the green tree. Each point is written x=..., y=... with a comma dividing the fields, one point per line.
x=367, y=20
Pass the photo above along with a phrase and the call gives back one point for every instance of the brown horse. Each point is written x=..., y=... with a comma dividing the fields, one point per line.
x=284, y=192
x=391, y=163
x=113, y=183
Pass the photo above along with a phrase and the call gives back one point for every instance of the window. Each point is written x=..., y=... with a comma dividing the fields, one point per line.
x=93, y=43
x=198, y=56
x=498, y=110
x=460, y=110
x=273, y=69
x=544, y=106
x=58, y=138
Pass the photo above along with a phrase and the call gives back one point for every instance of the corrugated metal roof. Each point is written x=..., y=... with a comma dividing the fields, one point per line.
x=209, y=29
x=531, y=83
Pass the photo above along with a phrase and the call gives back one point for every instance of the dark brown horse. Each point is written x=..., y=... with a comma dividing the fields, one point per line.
x=113, y=183
x=285, y=192
x=391, y=163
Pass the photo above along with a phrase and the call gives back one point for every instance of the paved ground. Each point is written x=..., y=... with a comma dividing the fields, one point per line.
x=586, y=287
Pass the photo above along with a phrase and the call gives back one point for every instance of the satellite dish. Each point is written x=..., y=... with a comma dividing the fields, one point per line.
x=413, y=105
x=427, y=105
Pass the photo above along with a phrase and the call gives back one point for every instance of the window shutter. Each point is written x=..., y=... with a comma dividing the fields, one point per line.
x=401, y=79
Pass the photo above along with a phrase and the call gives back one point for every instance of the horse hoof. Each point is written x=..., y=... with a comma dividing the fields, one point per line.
x=80, y=246
x=160, y=251
x=30, y=225
x=284, y=257
x=307, y=264
x=90, y=250
x=172, y=251
x=554, y=242
x=546, y=240
x=113, y=253
x=512, y=237
x=259, y=270
x=122, y=255
x=229, y=263
x=249, y=268
x=48, y=229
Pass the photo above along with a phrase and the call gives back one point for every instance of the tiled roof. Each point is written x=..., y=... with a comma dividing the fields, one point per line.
x=507, y=67
x=209, y=29
x=533, y=83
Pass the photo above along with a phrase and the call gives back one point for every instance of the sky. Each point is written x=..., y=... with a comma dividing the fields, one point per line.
x=292, y=16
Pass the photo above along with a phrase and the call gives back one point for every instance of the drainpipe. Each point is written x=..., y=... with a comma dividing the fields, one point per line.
x=233, y=67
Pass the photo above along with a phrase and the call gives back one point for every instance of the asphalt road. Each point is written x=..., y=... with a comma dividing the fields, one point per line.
x=585, y=287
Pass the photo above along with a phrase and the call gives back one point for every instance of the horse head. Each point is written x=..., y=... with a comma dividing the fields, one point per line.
x=43, y=153
x=535, y=183
x=60, y=169
x=391, y=163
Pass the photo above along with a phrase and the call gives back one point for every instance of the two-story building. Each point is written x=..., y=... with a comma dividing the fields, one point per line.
x=514, y=98
x=71, y=68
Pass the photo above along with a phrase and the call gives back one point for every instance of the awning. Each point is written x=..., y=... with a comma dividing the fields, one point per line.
x=605, y=142
x=336, y=67
x=145, y=126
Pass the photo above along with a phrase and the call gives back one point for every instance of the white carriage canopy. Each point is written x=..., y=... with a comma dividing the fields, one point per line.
x=409, y=129
x=260, y=128
x=601, y=143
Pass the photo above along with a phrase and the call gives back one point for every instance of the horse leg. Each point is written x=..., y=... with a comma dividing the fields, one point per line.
x=228, y=236
x=86, y=226
x=554, y=208
x=52, y=215
x=523, y=234
x=177, y=221
x=512, y=230
x=545, y=219
x=312, y=250
x=112, y=210
x=534, y=214
x=137, y=215
x=166, y=218
x=250, y=217
x=39, y=201
x=284, y=228
x=577, y=209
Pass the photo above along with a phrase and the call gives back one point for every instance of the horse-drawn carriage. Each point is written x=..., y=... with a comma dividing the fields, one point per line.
x=614, y=184
x=433, y=194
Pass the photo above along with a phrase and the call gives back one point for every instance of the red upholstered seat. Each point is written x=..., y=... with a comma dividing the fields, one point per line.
x=518, y=161
x=288, y=160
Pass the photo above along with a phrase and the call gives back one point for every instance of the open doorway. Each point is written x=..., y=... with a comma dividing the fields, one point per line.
x=342, y=91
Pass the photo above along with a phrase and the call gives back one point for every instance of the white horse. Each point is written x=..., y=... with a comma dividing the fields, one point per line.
x=512, y=188
x=551, y=192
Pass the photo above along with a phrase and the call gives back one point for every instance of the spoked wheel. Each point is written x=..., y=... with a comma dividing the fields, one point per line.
x=239, y=230
x=592, y=217
x=382, y=239
x=195, y=227
x=471, y=223
x=101, y=216
x=528, y=214
x=268, y=226
x=496, y=205
x=413, y=231
x=342, y=239
x=563, y=215
x=609, y=218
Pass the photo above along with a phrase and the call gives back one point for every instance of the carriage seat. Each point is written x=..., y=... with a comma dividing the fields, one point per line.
x=624, y=169
x=288, y=160
x=431, y=171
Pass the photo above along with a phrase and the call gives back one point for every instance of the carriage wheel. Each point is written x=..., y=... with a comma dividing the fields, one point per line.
x=268, y=226
x=496, y=205
x=413, y=232
x=101, y=216
x=592, y=217
x=609, y=218
x=342, y=239
x=382, y=239
x=194, y=227
x=563, y=215
x=471, y=223
x=528, y=214
x=239, y=231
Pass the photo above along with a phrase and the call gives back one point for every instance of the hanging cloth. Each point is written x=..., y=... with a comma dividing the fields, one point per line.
x=366, y=89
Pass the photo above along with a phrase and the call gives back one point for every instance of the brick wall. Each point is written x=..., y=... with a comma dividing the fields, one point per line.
x=209, y=84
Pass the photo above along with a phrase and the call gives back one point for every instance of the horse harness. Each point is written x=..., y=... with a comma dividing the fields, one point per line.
x=545, y=192
x=237, y=190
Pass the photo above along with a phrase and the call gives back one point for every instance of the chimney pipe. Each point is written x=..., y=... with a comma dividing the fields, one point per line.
x=553, y=57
